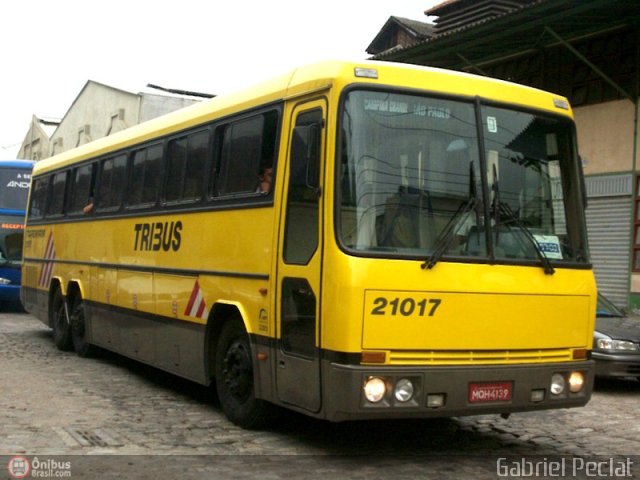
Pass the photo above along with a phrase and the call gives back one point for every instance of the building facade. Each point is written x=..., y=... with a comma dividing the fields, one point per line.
x=36, y=144
x=98, y=111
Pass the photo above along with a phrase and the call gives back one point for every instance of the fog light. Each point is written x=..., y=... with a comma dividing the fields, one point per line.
x=576, y=382
x=374, y=389
x=404, y=390
x=557, y=384
x=435, y=400
x=537, y=395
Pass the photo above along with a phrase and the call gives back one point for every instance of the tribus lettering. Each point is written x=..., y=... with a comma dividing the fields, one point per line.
x=158, y=236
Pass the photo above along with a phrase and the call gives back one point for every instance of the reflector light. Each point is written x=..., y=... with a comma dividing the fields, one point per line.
x=366, y=72
x=537, y=395
x=580, y=354
x=373, y=357
x=435, y=400
x=559, y=103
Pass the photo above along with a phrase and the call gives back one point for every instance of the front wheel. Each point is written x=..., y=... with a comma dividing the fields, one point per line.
x=234, y=378
x=60, y=322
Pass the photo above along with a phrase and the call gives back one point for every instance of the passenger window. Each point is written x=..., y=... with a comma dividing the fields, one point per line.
x=55, y=206
x=146, y=172
x=81, y=195
x=186, y=164
x=38, y=197
x=112, y=182
x=248, y=149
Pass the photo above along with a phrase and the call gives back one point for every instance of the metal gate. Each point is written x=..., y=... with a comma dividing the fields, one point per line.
x=609, y=226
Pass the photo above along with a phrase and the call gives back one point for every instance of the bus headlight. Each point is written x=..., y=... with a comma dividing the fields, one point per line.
x=4, y=281
x=404, y=390
x=375, y=389
x=576, y=382
x=557, y=384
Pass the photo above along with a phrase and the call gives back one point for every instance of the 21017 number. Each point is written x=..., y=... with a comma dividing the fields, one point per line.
x=405, y=306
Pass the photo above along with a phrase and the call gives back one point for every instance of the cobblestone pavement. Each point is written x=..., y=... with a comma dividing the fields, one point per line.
x=117, y=417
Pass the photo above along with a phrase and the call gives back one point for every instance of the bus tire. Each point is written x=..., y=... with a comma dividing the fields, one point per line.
x=234, y=378
x=60, y=322
x=78, y=330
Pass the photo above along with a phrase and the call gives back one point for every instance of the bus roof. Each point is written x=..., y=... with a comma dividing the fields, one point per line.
x=310, y=78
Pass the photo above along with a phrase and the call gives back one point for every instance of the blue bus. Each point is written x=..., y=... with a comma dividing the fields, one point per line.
x=15, y=177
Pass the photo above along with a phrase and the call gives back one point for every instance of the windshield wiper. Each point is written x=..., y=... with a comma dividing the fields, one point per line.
x=504, y=209
x=446, y=235
x=450, y=229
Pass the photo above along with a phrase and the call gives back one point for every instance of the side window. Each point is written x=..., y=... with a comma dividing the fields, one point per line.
x=303, y=202
x=55, y=206
x=146, y=172
x=186, y=163
x=247, y=154
x=38, y=200
x=111, y=183
x=81, y=193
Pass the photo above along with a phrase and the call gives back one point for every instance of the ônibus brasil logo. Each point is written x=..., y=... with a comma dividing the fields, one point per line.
x=19, y=467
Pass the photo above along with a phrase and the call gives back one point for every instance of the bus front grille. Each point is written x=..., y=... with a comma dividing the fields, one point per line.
x=465, y=357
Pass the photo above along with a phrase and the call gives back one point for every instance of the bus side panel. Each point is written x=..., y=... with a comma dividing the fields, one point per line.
x=176, y=347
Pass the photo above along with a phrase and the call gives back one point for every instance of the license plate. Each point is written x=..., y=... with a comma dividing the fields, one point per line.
x=489, y=392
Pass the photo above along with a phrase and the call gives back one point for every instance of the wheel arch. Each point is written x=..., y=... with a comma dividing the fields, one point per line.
x=221, y=313
x=74, y=287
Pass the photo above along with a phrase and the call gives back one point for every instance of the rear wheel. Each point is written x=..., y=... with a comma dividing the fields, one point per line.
x=234, y=378
x=78, y=329
x=60, y=322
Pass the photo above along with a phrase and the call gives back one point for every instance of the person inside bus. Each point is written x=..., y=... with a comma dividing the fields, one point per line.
x=87, y=209
x=265, y=178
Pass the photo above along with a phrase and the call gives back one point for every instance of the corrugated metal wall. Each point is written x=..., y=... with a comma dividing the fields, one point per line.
x=609, y=226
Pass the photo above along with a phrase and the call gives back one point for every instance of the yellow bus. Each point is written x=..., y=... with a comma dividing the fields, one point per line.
x=350, y=241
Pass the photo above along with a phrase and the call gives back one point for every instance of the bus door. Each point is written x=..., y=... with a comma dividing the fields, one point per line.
x=299, y=262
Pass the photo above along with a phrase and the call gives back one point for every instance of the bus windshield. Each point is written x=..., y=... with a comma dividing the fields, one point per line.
x=15, y=188
x=14, y=191
x=419, y=178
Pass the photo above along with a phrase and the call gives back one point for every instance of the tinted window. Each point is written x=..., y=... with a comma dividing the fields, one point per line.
x=248, y=147
x=112, y=181
x=146, y=172
x=38, y=197
x=56, y=201
x=81, y=193
x=186, y=164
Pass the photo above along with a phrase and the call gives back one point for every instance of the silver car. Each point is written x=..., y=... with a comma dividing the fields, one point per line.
x=616, y=342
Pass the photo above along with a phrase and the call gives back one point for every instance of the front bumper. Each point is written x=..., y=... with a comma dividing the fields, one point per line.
x=616, y=365
x=344, y=397
x=10, y=293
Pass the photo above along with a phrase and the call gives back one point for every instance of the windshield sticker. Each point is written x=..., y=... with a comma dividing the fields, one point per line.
x=372, y=104
x=442, y=113
x=416, y=109
x=492, y=124
x=549, y=246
